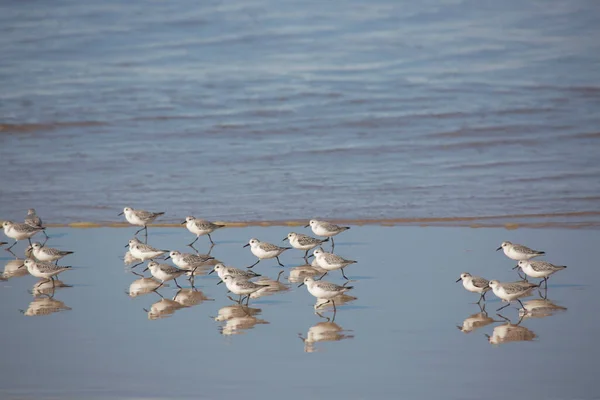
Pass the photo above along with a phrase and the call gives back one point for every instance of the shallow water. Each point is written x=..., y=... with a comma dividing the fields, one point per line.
x=399, y=337
x=266, y=110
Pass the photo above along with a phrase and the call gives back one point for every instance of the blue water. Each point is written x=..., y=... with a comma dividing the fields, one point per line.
x=273, y=110
x=397, y=338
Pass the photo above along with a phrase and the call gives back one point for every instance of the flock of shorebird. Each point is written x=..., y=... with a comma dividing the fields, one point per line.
x=42, y=261
x=510, y=291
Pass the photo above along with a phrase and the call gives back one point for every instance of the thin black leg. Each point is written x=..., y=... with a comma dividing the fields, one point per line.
x=137, y=265
x=56, y=262
x=480, y=298
x=139, y=230
x=503, y=307
x=344, y=275
x=209, y=238
x=524, y=309
x=254, y=264
x=332, y=244
x=8, y=249
x=334, y=309
x=306, y=256
x=247, y=300
x=53, y=284
x=324, y=304
x=45, y=234
x=195, y=240
x=162, y=283
x=279, y=262
x=321, y=277
x=175, y=280
x=29, y=241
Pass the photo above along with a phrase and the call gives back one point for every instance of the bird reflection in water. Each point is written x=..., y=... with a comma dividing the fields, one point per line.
x=325, y=331
x=190, y=297
x=44, y=305
x=270, y=286
x=238, y=319
x=142, y=286
x=163, y=308
x=476, y=321
x=539, y=308
x=339, y=300
x=45, y=287
x=510, y=332
x=12, y=269
x=297, y=274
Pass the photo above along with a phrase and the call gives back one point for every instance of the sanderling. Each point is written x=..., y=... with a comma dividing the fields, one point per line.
x=165, y=272
x=324, y=290
x=44, y=306
x=518, y=252
x=510, y=332
x=331, y=262
x=189, y=261
x=140, y=218
x=200, y=227
x=509, y=291
x=19, y=231
x=324, y=228
x=224, y=271
x=475, y=284
x=539, y=269
x=144, y=251
x=32, y=219
x=241, y=287
x=45, y=270
x=43, y=253
x=264, y=250
x=304, y=242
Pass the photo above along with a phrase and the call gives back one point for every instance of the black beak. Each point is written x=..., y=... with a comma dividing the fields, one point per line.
x=121, y=213
x=312, y=255
x=127, y=245
x=246, y=245
x=166, y=258
x=499, y=248
x=302, y=284
x=183, y=223
x=458, y=280
x=284, y=239
x=211, y=271
x=516, y=266
x=146, y=269
x=218, y=283
x=306, y=226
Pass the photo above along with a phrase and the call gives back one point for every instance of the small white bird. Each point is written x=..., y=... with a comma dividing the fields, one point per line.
x=44, y=270
x=304, y=242
x=143, y=251
x=511, y=291
x=200, y=227
x=324, y=228
x=44, y=253
x=539, y=269
x=32, y=219
x=165, y=272
x=475, y=284
x=331, y=262
x=519, y=252
x=224, y=271
x=19, y=231
x=241, y=287
x=140, y=218
x=264, y=250
x=189, y=261
x=324, y=290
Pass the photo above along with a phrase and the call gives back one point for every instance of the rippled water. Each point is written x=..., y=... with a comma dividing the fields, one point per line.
x=395, y=337
x=253, y=110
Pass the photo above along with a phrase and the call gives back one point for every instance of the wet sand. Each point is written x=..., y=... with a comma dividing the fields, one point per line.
x=406, y=329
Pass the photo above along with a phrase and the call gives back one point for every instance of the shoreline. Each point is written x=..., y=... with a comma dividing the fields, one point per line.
x=573, y=220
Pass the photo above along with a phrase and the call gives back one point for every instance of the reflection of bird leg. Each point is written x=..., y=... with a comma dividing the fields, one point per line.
x=503, y=307
x=279, y=276
x=504, y=318
x=321, y=305
x=175, y=280
x=211, y=241
x=210, y=249
x=334, y=309
x=254, y=264
x=192, y=244
x=53, y=283
x=232, y=299
x=481, y=298
x=137, y=264
x=344, y=275
x=279, y=262
x=482, y=308
x=321, y=315
x=306, y=256
x=8, y=249
x=156, y=288
x=135, y=273
x=321, y=277
x=545, y=295
x=301, y=338
x=332, y=244
x=247, y=300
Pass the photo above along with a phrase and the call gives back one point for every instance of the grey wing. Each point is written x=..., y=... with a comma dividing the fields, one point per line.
x=269, y=246
x=542, y=266
x=49, y=267
x=169, y=269
x=28, y=228
x=306, y=240
x=332, y=287
x=55, y=252
x=146, y=247
x=334, y=259
x=329, y=226
x=248, y=285
x=34, y=221
x=518, y=287
x=525, y=249
x=480, y=282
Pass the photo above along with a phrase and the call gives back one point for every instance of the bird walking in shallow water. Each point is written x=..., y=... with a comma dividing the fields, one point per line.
x=43, y=270
x=475, y=284
x=331, y=262
x=511, y=291
x=519, y=252
x=19, y=231
x=324, y=290
x=44, y=253
x=32, y=219
x=539, y=269
x=200, y=227
x=327, y=229
x=165, y=272
x=140, y=218
x=264, y=251
x=241, y=287
x=304, y=242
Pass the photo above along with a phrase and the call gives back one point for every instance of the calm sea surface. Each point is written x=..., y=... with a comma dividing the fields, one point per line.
x=408, y=331
x=262, y=109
